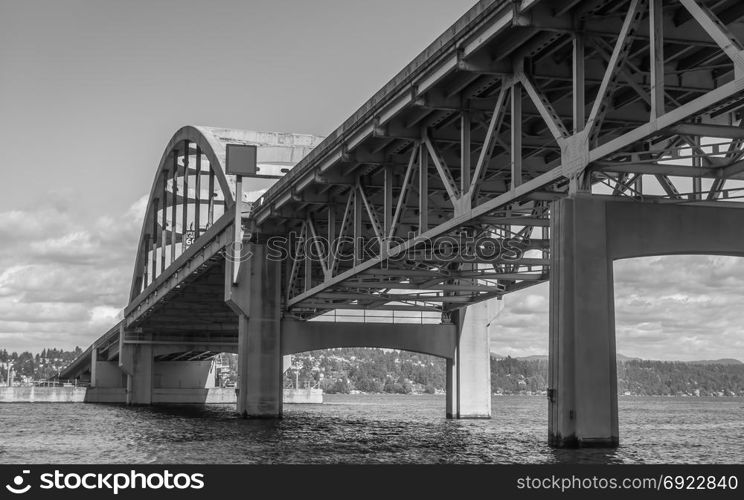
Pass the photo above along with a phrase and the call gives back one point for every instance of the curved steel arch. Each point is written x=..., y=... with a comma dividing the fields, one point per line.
x=207, y=143
x=212, y=145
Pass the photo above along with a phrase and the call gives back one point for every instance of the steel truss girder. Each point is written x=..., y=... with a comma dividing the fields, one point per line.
x=462, y=131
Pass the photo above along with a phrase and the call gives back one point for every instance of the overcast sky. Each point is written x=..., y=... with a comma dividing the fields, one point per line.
x=91, y=91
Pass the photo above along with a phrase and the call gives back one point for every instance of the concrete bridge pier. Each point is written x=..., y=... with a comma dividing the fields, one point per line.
x=258, y=300
x=582, y=373
x=136, y=361
x=588, y=233
x=93, y=366
x=469, y=370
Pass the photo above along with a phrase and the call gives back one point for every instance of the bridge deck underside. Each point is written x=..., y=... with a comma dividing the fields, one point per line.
x=196, y=308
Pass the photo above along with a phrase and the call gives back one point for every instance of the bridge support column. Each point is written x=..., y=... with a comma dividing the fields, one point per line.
x=259, y=339
x=582, y=373
x=136, y=361
x=93, y=366
x=469, y=370
x=139, y=382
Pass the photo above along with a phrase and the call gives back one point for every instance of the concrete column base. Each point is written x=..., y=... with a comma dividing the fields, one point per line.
x=469, y=371
x=575, y=442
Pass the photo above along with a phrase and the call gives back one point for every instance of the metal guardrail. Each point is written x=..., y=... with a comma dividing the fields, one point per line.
x=51, y=383
x=367, y=316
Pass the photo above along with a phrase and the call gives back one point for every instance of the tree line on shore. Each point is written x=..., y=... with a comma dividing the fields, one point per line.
x=402, y=372
x=39, y=366
x=389, y=371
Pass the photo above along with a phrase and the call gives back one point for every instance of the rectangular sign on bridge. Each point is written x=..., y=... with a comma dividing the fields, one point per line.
x=241, y=159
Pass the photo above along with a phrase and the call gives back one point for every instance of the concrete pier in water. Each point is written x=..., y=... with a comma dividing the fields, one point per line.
x=589, y=234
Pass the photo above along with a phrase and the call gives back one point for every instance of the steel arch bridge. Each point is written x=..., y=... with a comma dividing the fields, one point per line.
x=444, y=189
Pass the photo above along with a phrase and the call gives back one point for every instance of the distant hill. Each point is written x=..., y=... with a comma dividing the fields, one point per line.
x=621, y=357
x=624, y=358
x=724, y=361
x=721, y=377
x=536, y=357
x=634, y=377
x=542, y=357
x=375, y=370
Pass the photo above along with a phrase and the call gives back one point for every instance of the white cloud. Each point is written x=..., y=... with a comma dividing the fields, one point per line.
x=14, y=311
x=105, y=316
x=136, y=212
x=24, y=225
x=64, y=282
x=672, y=307
x=53, y=282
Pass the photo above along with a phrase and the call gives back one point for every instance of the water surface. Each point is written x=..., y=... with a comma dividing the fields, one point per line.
x=363, y=429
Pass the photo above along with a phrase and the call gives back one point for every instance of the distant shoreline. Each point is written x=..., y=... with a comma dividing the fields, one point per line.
x=441, y=394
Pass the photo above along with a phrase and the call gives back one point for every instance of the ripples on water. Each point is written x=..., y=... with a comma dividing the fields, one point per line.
x=363, y=429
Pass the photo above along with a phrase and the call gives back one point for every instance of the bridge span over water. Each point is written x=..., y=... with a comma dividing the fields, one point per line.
x=534, y=140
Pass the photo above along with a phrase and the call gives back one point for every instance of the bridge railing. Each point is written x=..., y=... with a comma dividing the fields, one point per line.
x=386, y=316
